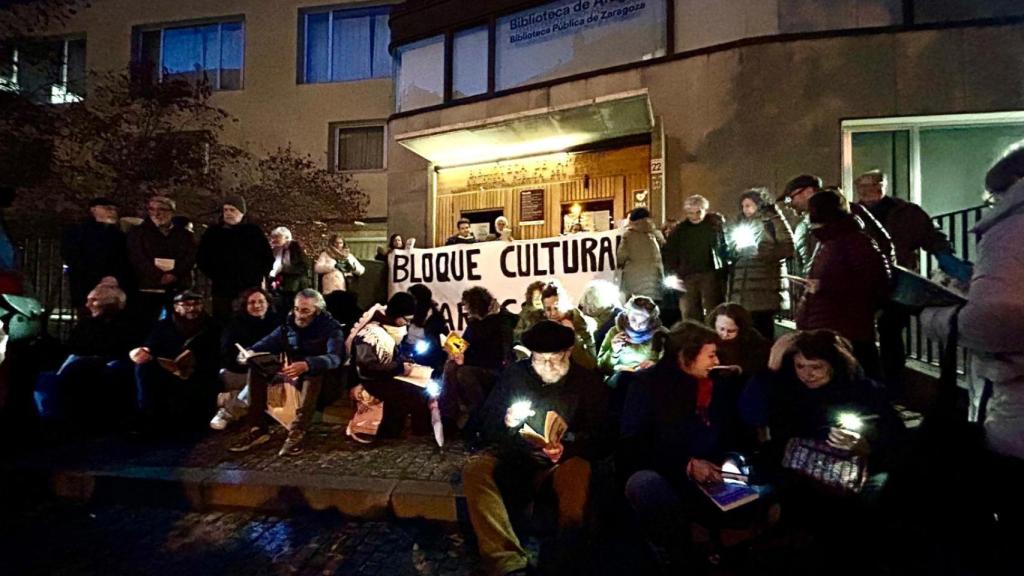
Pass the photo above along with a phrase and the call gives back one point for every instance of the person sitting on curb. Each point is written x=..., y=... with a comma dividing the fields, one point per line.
x=314, y=347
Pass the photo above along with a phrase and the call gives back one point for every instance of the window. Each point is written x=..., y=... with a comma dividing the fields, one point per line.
x=357, y=148
x=46, y=71
x=469, y=62
x=421, y=74
x=343, y=45
x=211, y=53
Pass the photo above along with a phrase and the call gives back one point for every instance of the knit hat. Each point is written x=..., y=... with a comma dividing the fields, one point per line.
x=549, y=336
x=235, y=200
x=639, y=214
x=1006, y=172
x=188, y=296
x=801, y=181
x=101, y=201
x=401, y=304
x=165, y=202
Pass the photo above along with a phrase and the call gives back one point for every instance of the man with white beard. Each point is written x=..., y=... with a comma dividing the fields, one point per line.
x=513, y=470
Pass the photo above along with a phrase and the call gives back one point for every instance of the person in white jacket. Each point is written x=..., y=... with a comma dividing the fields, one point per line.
x=991, y=324
x=337, y=266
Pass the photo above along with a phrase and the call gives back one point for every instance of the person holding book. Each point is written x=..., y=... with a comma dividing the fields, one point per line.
x=426, y=331
x=313, y=346
x=634, y=343
x=176, y=367
x=739, y=342
x=544, y=423
x=379, y=361
x=677, y=426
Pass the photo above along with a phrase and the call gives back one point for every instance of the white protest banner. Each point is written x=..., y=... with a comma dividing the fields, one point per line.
x=504, y=268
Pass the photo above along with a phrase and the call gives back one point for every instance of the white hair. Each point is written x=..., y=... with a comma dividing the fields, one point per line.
x=281, y=232
x=696, y=201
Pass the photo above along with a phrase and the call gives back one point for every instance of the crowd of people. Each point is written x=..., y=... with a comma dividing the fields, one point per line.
x=611, y=374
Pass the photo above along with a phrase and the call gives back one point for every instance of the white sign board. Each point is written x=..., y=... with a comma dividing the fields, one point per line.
x=504, y=268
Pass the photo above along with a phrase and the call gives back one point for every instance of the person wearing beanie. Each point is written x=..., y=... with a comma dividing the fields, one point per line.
x=639, y=257
x=511, y=471
x=234, y=254
x=378, y=357
x=992, y=321
x=95, y=248
x=848, y=280
x=162, y=255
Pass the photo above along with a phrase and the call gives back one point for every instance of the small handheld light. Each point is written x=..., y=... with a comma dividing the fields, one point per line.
x=421, y=347
x=850, y=421
x=521, y=410
x=744, y=236
x=433, y=389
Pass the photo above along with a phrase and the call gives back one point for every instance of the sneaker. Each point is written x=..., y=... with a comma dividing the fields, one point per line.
x=253, y=438
x=221, y=420
x=293, y=444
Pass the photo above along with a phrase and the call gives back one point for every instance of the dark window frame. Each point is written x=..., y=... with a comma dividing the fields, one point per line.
x=350, y=11
x=333, y=148
x=141, y=74
x=17, y=46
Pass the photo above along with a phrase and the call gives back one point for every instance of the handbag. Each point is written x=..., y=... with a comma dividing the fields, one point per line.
x=834, y=469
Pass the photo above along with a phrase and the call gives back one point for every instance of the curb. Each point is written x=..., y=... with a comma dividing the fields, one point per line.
x=273, y=492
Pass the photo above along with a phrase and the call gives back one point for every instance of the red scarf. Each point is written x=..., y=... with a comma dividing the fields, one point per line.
x=704, y=387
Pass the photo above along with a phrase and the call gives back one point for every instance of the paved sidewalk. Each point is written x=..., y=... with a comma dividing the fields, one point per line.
x=411, y=478
x=121, y=540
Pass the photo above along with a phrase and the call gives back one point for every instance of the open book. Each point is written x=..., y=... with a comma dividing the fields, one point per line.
x=554, y=429
x=916, y=291
x=420, y=375
x=729, y=494
x=181, y=366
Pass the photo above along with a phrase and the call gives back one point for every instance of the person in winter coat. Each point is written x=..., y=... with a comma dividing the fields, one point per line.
x=759, y=244
x=991, y=324
x=377, y=353
x=639, y=257
x=254, y=318
x=633, y=343
x=337, y=266
x=95, y=249
x=426, y=331
x=184, y=399
x=162, y=256
x=558, y=308
x=740, y=343
x=601, y=302
x=531, y=310
x=848, y=280
x=234, y=255
x=290, y=271
x=509, y=474
x=695, y=253
x=314, y=349
x=677, y=428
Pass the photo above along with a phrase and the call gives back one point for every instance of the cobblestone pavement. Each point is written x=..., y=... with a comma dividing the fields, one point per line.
x=327, y=451
x=64, y=539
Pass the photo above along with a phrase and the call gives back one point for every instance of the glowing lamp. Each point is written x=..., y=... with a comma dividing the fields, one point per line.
x=521, y=410
x=744, y=236
x=850, y=421
x=433, y=389
x=421, y=347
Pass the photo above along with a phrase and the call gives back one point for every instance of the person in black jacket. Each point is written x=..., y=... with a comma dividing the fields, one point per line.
x=95, y=249
x=469, y=377
x=254, y=318
x=513, y=471
x=234, y=254
x=162, y=255
x=183, y=393
x=695, y=253
x=423, y=341
x=677, y=427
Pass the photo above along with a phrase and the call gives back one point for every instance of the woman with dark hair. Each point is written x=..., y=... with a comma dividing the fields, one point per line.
x=848, y=278
x=395, y=242
x=740, y=343
x=677, y=427
x=254, y=318
x=820, y=397
x=423, y=341
x=558, y=307
x=759, y=243
x=531, y=310
x=337, y=266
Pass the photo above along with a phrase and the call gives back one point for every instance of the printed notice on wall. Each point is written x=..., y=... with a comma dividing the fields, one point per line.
x=531, y=206
x=560, y=18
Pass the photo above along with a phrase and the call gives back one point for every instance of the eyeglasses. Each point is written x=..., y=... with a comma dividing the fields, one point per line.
x=303, y=311
x=547, y=357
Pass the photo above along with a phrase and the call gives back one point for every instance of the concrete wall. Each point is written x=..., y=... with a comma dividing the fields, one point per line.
x=272, y=108
x=761, y=114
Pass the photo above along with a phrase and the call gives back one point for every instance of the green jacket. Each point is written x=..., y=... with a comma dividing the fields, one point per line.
x=630, y=355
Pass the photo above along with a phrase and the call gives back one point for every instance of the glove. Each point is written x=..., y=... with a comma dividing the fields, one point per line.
x=955, y=267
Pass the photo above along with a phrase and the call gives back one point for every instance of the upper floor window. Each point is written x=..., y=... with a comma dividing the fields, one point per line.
x=469, y=62
x=357, y=148
x=342, y=45
x=420, y=74
x=46, y=70
x=210, y=52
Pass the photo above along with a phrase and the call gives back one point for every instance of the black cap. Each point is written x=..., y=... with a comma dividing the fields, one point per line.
x=549, y=336
x=639, y=214
x=401, y=304
x=101, y=201
x=801, y=181
x=188, y=296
